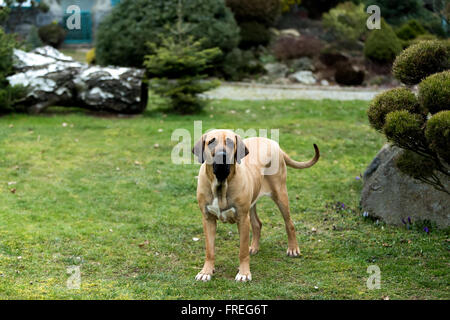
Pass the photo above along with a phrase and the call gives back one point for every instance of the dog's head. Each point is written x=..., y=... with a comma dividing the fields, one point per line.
x=221, y=149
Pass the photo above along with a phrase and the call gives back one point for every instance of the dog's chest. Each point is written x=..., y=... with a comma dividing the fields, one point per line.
x=225, y=215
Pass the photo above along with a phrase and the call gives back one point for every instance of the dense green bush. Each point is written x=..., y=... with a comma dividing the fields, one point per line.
x=265, y=12
x=347, y=21
x=52, y=34
x=421, y=60
x=410, y=30
x=382, y=45
x=438, y=134
x=253, y=34
x=434, y=92
x=122, y=36
x=392, y=100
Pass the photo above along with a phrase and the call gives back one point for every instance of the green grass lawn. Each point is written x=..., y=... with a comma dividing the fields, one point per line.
x=96, y=193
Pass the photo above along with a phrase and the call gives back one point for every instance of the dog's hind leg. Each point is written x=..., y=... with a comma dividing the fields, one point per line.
x=256, y=230
x=280, y=196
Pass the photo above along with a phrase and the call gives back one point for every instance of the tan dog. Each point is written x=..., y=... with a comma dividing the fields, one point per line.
x=234, y=174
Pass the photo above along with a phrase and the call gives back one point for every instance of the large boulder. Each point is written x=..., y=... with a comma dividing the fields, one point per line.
x=392, y=196
x=52, y=78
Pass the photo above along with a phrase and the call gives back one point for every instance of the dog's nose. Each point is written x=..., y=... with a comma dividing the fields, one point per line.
x=220, y=157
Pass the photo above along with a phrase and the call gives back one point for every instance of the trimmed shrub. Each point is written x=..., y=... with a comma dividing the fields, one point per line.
x=347, y=75
x=438, y=134
x=421, y=60
x=382, y=45
x=392, y=100
x=265, y=12
x=288, y=47
x=52, y=34
x=405, y=121
x=422, y=37
x=122, y=36
x=347, y=21
x=434, y=92
x=253, y=34
x=410, y=30
x=403, y=128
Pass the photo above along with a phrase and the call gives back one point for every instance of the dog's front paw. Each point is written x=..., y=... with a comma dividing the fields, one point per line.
x=293, y=252
x=243, y=277
x=203, y=276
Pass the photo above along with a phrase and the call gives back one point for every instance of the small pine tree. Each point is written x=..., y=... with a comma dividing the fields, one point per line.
x=419, y=125
x=176, y=68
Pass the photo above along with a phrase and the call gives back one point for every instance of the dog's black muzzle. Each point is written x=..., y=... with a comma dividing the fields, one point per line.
x=221, y=165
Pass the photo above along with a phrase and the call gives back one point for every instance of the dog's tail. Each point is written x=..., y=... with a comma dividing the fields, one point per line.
x=302, y=165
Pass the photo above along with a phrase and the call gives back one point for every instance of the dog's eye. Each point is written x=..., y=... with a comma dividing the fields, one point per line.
x=211, y=141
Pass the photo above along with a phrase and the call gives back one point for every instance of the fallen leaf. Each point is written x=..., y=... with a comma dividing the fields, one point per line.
x=13, y=190
x=156, y=145
x=195, y=239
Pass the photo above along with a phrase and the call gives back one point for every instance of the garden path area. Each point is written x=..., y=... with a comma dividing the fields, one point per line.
x=252, y=91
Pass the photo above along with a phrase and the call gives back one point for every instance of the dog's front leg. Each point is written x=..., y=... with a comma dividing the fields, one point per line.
x=209, y=228
x=244, y=252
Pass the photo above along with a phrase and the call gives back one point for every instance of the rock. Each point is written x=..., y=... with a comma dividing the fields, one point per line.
x=348, y=75
x=324, y=82
x=276, y=70
x=303, y=64
x=392, y=196
x=290, y=32
x=53, y=78
x=303, y=77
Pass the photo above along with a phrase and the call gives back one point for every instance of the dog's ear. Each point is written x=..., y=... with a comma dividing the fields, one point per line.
x=199, y=149
x=241, y=150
